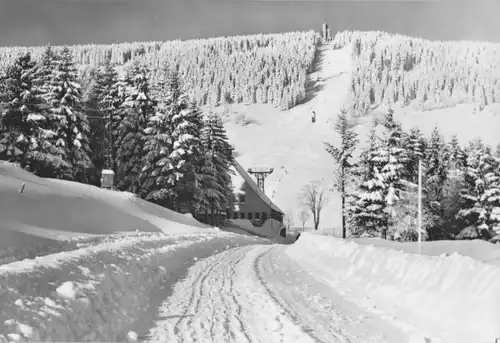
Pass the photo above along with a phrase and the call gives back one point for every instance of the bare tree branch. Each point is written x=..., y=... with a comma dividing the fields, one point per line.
x=288, y=220
x=315, y=199
x=303, y=217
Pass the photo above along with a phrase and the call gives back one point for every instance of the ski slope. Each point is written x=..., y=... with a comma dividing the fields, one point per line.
x=289, y=142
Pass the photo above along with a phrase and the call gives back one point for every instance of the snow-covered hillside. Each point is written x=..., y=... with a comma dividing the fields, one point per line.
x=54, y=215
x=287, y=140
x=291, y=144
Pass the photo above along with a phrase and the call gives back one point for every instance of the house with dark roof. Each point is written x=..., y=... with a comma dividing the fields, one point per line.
x=249, y=201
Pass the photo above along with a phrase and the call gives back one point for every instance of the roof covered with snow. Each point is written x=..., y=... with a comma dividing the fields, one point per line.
x=253, y=185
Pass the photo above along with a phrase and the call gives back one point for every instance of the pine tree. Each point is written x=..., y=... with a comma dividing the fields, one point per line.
x=58, y=166
x=393, y=158
x=215, y=169
x=456, y=155
x=109, y=100
x=366, y=204
x=415, y=146
x=96, y=124
x=343, y=155
x=68, y=117
x=44, y=71
x=158, y=167
x=481, y=195
x=435, y=169
x=23, y=137
x=187, y=124
x=137, y=108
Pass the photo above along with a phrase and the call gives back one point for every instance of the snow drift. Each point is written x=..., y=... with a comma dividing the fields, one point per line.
x=95, y=293
x=48, y=213
x=451, y=297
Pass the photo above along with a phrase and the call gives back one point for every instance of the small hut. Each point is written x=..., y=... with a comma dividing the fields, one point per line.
x=107, y=179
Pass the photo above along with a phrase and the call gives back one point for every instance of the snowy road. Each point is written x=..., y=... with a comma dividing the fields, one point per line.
x=256, y=294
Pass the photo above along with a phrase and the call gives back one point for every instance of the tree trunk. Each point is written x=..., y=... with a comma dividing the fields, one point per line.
x=212, y=212
x=344, y=229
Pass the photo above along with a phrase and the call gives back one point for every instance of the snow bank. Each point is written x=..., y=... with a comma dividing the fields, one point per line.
x=48, y=212
x=477, y=249
x=270, y=229
x=90, y=294
x=453, y=297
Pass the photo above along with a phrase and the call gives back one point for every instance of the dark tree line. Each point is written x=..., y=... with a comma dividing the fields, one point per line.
x=260, y=68
x=395, y=69
x=461, y=185
x=160, y=146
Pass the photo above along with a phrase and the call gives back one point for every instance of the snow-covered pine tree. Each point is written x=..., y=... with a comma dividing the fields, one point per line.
x=481, y=194
x=456, y=155
x=497, y=151
x=138, y=107
x=436, y=157
x=109, y=100
x=67, y=114
x=450, y=204
x=343, y=155
x=96, y=124
x=157, y=168
x=366, y=204
x=415, y=146
x=393, y=158
x=44, y=71
x=187, y=125
x=215, y=165
x=24, y=139
x=435, y=174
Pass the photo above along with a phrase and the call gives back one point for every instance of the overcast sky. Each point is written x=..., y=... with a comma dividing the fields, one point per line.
x=37, y=22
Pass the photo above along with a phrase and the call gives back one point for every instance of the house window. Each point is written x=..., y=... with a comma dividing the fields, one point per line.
x=242, y=215
x=257, y=215
x=250, y=215
x=264, y=217
x=235, y=215
x=235, y=200
x=242, y=198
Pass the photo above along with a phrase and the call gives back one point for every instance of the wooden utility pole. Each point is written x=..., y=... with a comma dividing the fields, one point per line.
x=419, y=224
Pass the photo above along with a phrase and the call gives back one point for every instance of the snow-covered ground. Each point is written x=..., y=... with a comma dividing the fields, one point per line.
x=343, y=292
x=479, y=250
x=447, y=298
x=53, y=215
x=102, y=292
x=257, y=294
x=79, y=263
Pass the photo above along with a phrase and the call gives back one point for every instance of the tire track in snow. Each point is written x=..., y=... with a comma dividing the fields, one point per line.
x=197, y=292
x=222, y=300
x=297, y=309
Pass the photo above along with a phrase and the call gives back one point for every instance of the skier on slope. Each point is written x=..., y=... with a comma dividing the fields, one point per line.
x=313, y=118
